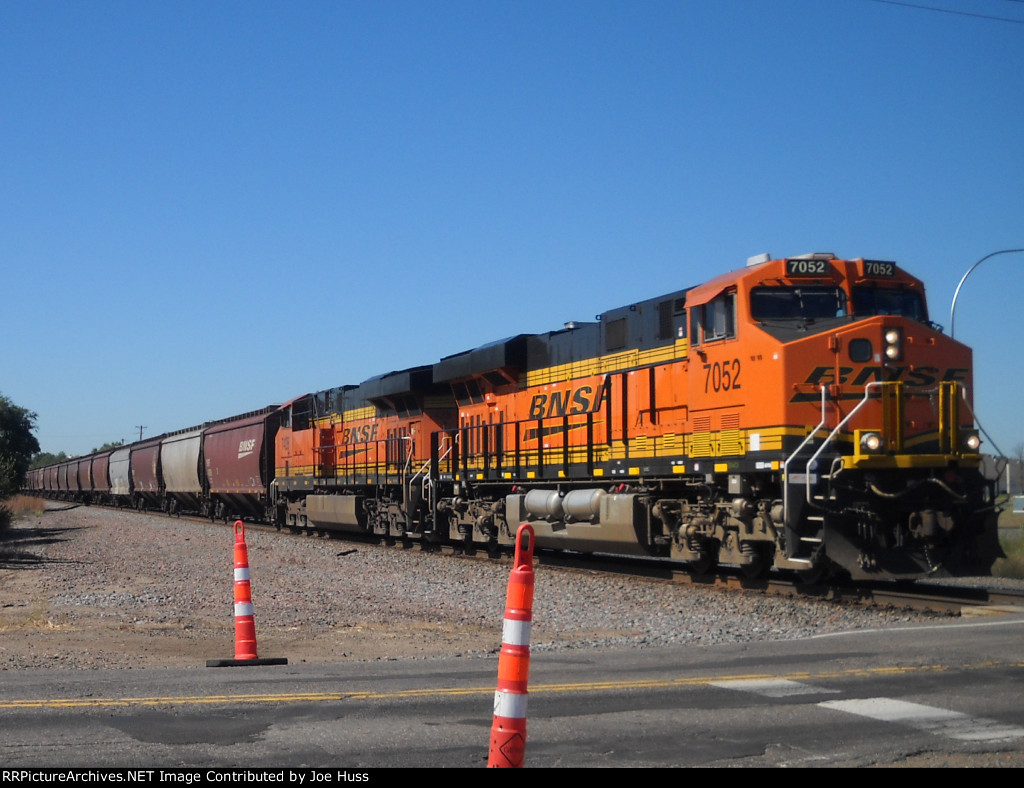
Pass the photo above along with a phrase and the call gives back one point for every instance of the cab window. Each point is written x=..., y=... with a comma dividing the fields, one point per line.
x=714, y=320
x=869, y=301
x=796, y=303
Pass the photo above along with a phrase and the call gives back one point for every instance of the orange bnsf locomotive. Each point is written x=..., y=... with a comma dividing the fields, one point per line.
x=799, y=414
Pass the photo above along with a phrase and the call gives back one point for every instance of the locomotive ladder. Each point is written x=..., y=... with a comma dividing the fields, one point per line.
x=809, y=543
x=428, y=483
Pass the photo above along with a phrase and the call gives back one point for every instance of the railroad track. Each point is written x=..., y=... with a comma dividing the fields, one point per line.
x=953, y=599
x=928, y=596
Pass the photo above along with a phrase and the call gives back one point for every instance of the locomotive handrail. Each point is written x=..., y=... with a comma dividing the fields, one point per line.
x=408, y=459
x=406, y=481
x=426, y=467
x=421, y=472
x=785, y=465
x=842, y=423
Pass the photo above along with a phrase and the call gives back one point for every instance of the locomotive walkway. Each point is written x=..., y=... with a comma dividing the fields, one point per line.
x=935, y=695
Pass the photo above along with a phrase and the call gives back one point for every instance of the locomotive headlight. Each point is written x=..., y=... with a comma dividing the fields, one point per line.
x=871, y=442
x=893, y=344
x=971, y=441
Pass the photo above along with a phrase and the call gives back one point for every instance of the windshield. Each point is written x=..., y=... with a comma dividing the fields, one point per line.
x=798, y=303
x=869, y=301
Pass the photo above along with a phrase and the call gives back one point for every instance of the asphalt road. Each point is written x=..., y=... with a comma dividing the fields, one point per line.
x=950, y=694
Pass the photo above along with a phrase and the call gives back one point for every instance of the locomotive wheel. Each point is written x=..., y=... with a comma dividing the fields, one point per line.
x=814, y=575
x=758, y=568
x=703, y=565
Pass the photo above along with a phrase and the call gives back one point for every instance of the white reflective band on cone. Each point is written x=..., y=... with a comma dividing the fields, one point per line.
x=516, y=633
x=510, y=704
x=243, y=608
x=241, y=573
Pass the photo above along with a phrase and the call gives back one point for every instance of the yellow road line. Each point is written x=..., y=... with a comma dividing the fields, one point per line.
x=538, y=689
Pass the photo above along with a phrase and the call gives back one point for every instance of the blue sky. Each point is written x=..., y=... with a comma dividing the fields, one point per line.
x=207, y=207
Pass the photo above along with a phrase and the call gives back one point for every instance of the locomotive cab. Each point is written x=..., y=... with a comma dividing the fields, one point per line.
x=888, y=482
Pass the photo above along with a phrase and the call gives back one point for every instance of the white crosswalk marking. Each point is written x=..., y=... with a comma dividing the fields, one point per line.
x=773, y=688
x=941, y=722
x=931, y=719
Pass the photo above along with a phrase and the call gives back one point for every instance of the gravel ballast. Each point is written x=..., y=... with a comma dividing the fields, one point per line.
x=86, y=588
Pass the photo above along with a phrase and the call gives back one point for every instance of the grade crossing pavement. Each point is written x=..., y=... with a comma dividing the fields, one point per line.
x=943, y=694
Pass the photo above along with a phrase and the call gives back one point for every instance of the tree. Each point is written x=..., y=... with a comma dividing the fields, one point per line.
x=17, y=445
x=108, y=447
x=44, y=458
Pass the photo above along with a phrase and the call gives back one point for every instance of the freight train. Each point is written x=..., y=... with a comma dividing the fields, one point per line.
x=799, y=414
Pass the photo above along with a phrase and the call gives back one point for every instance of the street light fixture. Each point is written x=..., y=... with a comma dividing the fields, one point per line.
x=952, y=309
x=957, y=292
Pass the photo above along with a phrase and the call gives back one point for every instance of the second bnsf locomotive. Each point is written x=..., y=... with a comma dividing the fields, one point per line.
x=798, y=414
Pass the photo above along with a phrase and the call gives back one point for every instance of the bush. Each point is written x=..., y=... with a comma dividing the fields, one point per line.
x=19, y=506
x=1013, y=564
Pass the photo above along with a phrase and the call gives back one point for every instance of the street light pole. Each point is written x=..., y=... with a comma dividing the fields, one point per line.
x=957, y=292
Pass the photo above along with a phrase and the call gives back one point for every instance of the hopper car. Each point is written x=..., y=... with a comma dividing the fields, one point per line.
x=798, y=414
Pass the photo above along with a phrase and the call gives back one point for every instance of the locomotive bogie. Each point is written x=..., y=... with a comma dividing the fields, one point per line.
x=472, y=521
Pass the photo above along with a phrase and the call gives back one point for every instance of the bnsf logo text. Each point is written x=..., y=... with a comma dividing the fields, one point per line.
x=917, y=376
x=246, y=447
x=570, y=402
x=362, y=434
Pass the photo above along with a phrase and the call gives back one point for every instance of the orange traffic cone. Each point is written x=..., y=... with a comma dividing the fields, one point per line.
x=508, y=730
x=245, y=625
